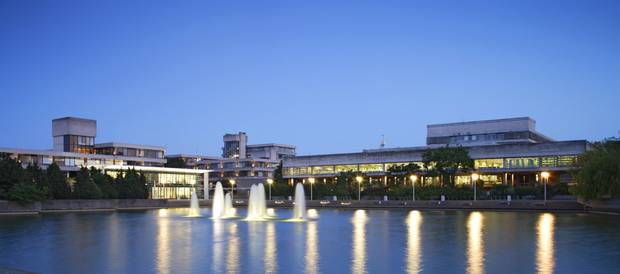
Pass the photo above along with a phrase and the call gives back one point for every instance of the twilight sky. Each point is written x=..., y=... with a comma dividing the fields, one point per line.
x=326, y=76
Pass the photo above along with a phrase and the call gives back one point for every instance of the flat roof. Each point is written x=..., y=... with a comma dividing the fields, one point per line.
x=80, y=155
x=482, y=121
x=74, y=118
x=157, y=169
x=116, y=144
x=271, y=145
x=190, y=156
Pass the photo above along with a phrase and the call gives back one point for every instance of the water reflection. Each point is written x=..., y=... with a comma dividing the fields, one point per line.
x=312, y=253
x=475, y=244
x=271, y=252
x=414, y=221
x=232, y=256
x=545, y=260
x=163, y=245
x=358, y=263
x=218, y=246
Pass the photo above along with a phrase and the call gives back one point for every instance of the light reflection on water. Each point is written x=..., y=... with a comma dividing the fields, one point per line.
x=414, y=260
x=312, y=253
x=341, y=241
x=232, y=255
x=163, y=245
x=271, y=250
x=358, y=262
x=475, y=243
x=545, y=260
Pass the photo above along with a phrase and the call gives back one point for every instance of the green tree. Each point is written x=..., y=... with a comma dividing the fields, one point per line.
x=57, y=182
x=105, y=183
x=11, y=174
x=446, y=162
x=176, y=163
x=280, y=187
x=84, y=187
x=598, y=173
x=135, y=184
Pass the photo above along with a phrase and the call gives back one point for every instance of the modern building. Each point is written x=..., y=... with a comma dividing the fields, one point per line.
x=74, y=147
x=245, y=164
x=505, y=151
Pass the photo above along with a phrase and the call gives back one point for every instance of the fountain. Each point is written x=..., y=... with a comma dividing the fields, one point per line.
x=217, y=209
x=257, y=205
x=229, y=210
x=299, y=210
x=194, y=207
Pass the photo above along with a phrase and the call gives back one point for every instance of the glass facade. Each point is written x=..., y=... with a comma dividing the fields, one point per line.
x=78, y=144
x=491, y=163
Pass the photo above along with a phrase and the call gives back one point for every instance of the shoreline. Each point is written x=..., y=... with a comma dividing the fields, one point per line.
x=71, y=206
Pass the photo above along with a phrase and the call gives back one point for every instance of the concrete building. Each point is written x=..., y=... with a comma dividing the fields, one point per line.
x=74, y=147
x=505, y=151
x=245, y=164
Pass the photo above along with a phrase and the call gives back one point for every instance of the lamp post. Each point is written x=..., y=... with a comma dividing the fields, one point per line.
x=474, y=180
x=269, y=182
x=311, y=180
x=232, y=189
x=413, y=179
x=545, y=176
x=359, y=180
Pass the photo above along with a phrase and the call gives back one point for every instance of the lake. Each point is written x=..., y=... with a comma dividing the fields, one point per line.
x=340, y=241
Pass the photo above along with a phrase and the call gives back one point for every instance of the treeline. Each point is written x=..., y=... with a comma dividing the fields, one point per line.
x=31, y=184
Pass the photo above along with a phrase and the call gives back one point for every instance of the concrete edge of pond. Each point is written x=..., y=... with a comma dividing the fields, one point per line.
x=64, y=206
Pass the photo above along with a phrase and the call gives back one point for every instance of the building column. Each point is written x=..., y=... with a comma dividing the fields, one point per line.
x=205, y=177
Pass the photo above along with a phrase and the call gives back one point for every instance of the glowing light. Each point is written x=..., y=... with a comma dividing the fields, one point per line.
x=312, y=253
x=312, y=214
x=545, y=174
x=413, y=178
x=475, y=176
x=475, y=244
x=358, y=262
x=312, y=180
x=545, y=260
x=359, y=179
x=270, y=181
x=414, y=221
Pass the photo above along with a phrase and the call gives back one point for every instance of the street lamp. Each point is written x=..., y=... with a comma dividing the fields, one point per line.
x=311, y=180
x=545, y=176
x=269, y=182
x=474, y=180
x=232, y=189
x=359, y=180
x=413, y=179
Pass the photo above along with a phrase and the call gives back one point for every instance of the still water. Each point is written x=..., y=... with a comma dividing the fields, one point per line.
x=341, y=241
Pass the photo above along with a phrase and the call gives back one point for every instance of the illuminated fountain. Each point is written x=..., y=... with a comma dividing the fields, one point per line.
x=257, y=204
x=299, y=210
x=229, y=210
x=218, y=206
x=194, y=207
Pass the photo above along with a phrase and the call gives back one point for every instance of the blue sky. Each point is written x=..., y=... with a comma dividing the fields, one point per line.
x=326, y=76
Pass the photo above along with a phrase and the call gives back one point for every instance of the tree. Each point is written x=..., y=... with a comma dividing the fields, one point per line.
x=176, y=163
x=11, y=174
x=446, y=162
x=104, y=182
x=57, y=183
x=135, y=185
x=84, y=187
x=280, y=187
x=598, y=173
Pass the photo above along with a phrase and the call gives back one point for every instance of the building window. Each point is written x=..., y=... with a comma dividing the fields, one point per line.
x=489, y=163
x=345, y=168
